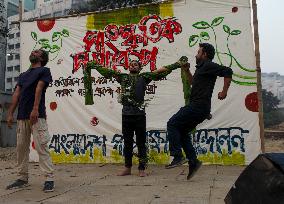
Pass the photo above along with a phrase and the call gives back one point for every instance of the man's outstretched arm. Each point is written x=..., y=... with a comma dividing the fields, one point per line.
x=223, y=94
x=222, y=71
x=165, y=70
x=104, y=71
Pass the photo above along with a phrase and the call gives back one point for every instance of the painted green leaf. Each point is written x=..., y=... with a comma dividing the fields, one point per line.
x=54, y=48
x=236, y=32
x=201, y=25
x=34, y=36
x=217, y=21
x=242, y=83
x=43, y=41
x=46, y=47
x=55, y=36
x=193, y=40
x=227, y=29
x=204, y=36
x=65, y=33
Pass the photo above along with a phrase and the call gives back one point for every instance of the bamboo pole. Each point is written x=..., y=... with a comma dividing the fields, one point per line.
x=258, y=69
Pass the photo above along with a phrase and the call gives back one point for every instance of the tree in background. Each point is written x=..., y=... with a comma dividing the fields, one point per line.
x=272, y=114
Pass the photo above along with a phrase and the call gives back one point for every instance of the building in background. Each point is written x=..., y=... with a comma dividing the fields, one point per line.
x=3, y=40
x=274, y=83
x=13, y=6
x=13, y=54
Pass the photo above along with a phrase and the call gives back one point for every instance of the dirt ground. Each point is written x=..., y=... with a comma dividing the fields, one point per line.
x=94, y=183
x=274, y=145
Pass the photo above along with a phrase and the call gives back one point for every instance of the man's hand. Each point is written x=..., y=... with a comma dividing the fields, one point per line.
x=34, y=116
x=222, y=95
x=183, y=61
x=10, y=120
x=186, y=66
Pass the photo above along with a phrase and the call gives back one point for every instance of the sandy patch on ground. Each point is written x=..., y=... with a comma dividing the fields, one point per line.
x=7, y=153
x=274, y=145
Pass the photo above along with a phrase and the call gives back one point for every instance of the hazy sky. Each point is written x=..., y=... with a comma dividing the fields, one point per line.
x=271, y=34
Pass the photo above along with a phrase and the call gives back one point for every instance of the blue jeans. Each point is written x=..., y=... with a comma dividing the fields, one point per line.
x=178, y=126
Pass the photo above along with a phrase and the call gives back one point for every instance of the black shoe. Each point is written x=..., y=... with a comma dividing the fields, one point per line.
x=193, y=169
x=177, y=161
x=48, y=186
x=17, y=184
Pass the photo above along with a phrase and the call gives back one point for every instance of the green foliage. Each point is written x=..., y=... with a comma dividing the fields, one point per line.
x=226, y=29
x=34, y=36
x=47, y=45
x=217, y=21
x=271, y=113
x=270, y=102
x=193, y=40
x=272, y=118
x=205, y=36
x=201, y=25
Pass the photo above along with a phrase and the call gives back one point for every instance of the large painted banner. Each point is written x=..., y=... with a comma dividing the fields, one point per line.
x=156, y=35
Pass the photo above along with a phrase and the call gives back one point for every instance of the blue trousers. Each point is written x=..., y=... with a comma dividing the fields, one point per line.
x=179, y=126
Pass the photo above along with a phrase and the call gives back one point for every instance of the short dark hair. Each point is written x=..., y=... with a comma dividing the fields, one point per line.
x=44, y=57
x=208, y=49
x=139, y=63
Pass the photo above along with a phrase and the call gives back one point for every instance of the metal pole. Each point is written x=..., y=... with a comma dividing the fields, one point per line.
x=258, y=69
x=3, y=43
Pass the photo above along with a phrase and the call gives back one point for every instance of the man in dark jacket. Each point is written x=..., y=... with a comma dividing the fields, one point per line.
x=189, y=116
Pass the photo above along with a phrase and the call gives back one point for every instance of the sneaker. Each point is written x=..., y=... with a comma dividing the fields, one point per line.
x=17, y=184
x=48, y=186
x=193, y=169
x=177, y=161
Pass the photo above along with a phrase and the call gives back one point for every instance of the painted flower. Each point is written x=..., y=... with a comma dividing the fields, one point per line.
x=53, y=106
x=94, y=121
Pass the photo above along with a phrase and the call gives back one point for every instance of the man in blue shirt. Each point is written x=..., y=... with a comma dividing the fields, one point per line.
x=29, y=96
x=189, y=116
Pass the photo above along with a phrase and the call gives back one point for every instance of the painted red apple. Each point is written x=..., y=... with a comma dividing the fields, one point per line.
x=94, y=121
x=53, y=106
x=251, y=102
x=45, y=25
x=235, y=9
